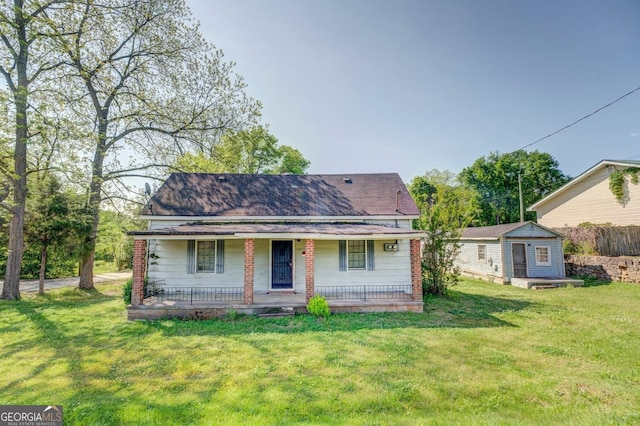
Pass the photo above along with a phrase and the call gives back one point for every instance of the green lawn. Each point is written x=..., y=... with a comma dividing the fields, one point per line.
x=487, y=354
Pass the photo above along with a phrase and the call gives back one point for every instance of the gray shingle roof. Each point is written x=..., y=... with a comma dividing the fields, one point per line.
x=244, y=195
x=495, y=231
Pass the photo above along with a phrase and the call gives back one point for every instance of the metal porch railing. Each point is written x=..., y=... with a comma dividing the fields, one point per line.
x=365, y=292
x=196, y=294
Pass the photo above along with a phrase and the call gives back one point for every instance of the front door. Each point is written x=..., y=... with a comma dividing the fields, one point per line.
x=282, y=265
x=519, y=253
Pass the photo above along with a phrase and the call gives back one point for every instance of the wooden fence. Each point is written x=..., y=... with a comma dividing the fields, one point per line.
x=604, y=240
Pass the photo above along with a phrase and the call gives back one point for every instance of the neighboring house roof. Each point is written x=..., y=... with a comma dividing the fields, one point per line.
x=300, y=230
x=247, y=195
x=622, y=164
x=497, y=231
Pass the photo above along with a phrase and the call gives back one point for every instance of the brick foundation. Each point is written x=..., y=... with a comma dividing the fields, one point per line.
x=309, y=249
x=416, y=270
x=139, y=269
x=249, y=264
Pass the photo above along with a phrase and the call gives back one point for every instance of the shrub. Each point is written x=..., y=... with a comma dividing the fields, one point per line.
x=232, y=315
x=127, y=290
x=318, y=306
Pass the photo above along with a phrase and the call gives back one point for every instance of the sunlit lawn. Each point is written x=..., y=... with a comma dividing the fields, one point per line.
x=487, y=354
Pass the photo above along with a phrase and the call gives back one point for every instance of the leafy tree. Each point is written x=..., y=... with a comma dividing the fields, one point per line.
x=154, y=87
x=55, y=219
x=292, y=161
x=25, y=55
x=446, y=208
x=112, y=244
x=253, y=150
x=248, y=151
x=495, y=181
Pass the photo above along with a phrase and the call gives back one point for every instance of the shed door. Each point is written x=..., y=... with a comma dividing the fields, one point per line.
x=282, y=264
x=519, y=255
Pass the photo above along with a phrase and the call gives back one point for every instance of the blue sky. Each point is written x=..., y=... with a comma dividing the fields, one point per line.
x=409, y=86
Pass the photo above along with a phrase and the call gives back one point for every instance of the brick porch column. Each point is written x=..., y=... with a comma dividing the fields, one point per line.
x=416, y=270
x=309, y=248
x=139, y=269
x=249, y=257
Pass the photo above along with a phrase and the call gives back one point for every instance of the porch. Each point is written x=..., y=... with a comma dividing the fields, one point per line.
x=255, y=269
x=215, y=302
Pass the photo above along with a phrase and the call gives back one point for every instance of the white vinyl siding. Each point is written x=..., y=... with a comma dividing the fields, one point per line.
x=390, y=267
x=590, y=200
x=468, y=259
x=168, y=264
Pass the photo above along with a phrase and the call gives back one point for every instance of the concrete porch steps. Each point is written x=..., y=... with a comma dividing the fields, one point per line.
x=543, y=286
x=284, y=311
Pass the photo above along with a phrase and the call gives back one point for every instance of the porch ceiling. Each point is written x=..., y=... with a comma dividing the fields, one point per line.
x=318, y=231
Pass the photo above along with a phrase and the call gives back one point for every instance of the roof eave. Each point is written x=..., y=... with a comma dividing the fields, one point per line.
x=279, y=218
x=274, y=235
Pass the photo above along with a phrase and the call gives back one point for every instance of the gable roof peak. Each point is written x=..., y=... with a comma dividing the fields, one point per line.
x=623, y=164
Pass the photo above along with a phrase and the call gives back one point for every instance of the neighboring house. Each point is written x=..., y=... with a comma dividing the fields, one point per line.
x=523, y=254
x=252, y=243
x=587, y=198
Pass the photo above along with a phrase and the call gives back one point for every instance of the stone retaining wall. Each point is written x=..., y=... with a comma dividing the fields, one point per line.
x=622, y=268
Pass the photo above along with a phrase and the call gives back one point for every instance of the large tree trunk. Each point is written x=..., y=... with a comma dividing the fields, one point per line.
x=43, y=269
x=95, y=191
x=11, y=289
x=89, y=249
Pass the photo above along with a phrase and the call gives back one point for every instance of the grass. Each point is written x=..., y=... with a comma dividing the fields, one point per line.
x=487, y=354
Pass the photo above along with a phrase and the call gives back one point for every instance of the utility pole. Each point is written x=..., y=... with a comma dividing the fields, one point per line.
x=521, y=202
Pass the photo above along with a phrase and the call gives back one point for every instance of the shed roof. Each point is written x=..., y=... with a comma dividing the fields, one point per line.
x=496, y=231
x=255, y=195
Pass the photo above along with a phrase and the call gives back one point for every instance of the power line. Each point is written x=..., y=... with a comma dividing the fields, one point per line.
x=583, y=118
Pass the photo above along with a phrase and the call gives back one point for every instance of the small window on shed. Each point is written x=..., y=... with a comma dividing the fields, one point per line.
x=543, y=257
x=482, y=253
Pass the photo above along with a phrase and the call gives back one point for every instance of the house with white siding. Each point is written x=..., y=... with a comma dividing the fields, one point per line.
x=588, y=198
x=523, y=254
x=256, y=243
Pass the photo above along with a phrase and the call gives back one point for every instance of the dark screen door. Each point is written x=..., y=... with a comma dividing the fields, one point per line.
x=282, y=264
x=519, y=260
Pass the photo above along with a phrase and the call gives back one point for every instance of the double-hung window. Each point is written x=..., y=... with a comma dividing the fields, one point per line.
x=205, y=256
x=356, y=255
x=543, y=255
x=482, y=253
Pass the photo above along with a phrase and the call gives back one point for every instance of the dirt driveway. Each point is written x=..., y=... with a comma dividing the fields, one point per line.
x=32, y=285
